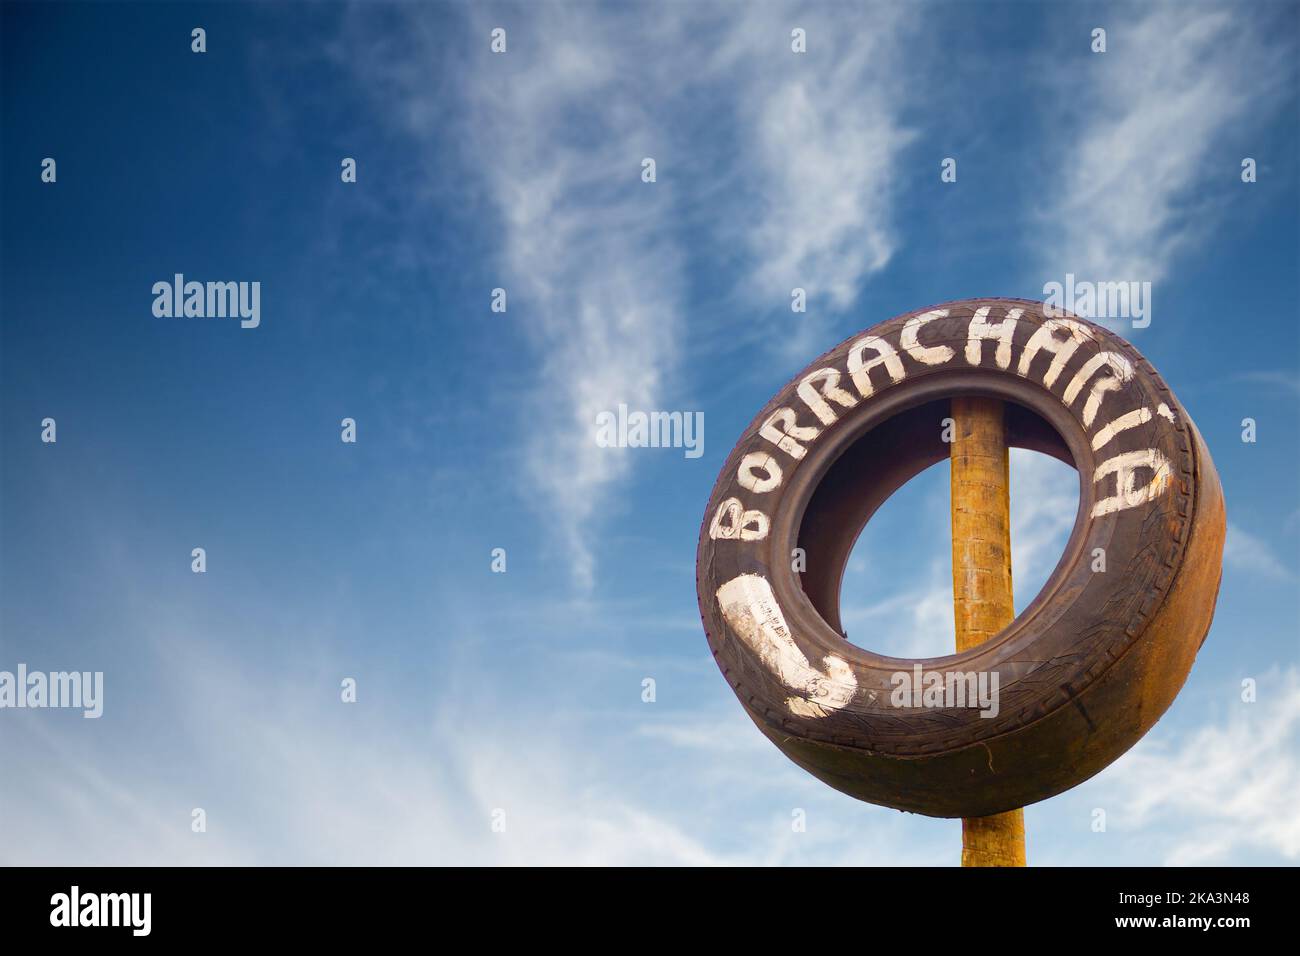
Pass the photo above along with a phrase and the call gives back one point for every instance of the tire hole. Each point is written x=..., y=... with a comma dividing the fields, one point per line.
x=892, y=593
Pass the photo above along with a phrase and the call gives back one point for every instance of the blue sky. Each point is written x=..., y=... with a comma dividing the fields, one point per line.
x=522, y=691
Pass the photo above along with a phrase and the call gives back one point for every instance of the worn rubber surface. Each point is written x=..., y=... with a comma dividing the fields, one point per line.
x=1082, y=673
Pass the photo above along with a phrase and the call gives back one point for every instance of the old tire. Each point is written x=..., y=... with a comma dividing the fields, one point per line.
x=1083, y=672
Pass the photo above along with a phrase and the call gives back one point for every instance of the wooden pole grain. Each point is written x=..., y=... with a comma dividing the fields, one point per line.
x=981, y=583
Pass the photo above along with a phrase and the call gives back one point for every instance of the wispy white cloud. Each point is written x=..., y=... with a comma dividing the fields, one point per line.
x=1174, y=81
x=824, y=135
x=1044, y=504
x=589, y=254
x=1212, y=793
x=915, y=621
x=695, y=731
x=550, y=135
x=1252, y=554
x=1283, y=381
x=288, y=775
x=593, y=259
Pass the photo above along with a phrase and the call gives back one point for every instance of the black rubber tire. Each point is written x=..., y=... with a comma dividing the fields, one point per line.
x=1090, y=664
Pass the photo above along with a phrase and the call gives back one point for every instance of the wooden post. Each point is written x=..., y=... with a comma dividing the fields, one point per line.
x=981, y=583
